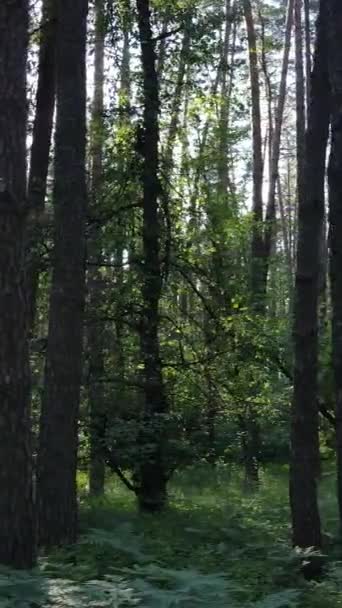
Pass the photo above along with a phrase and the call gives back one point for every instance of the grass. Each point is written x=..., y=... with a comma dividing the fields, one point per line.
x=214, y=526
x=216, y=546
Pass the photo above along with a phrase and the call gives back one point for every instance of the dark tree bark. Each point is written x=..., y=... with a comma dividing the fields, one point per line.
x=257, y=284
x=323, y=280
x=335, y=212
x=122, y=227
x=17, y=529
x=57, y=458
x=300, y=100
x=304, y=427
x=40, y=150
x=151, y=474
x=96, y=327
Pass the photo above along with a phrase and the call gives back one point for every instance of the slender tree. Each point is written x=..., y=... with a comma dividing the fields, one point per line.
x=304, y=427
x=95, y=281
x=308, y=61
x=178, y=93
x=41, y=142
x=300, y=98
x=334, y=29
x=57, y=458
x=250, y=428
x=257, y=252
x=276, y=140
x=223, y=161
x=17, y=529
x=151, y=473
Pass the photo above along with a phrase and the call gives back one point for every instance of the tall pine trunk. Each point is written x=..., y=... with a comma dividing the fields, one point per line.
x=178, y=95
x=304, y=427
x=40, y=150
x=95, y=281
x=334, y=29
x=257, y=249
x=151, y=474
x=276, y=141
x=257, y=287
x=300, y=99
x=57, y=458
x=17, y=529
x=223, y=144
x=308, y=66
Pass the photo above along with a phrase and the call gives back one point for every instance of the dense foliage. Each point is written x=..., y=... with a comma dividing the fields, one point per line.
x=170, y=303
x=203, y=551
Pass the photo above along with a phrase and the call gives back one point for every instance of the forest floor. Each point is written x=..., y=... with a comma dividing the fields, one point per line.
x=217, y=546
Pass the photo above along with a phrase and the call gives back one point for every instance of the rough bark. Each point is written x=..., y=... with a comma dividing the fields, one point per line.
x=57, y=457
x=334, y=29
x=17, y=529
x=96, y=328
x=304, y=427
x=40, y=150
x=152, y=477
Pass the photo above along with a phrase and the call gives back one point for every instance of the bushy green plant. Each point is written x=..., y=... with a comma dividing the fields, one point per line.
x=216, y=546
x=35, y=590
x=121, y=539
x=167, y=588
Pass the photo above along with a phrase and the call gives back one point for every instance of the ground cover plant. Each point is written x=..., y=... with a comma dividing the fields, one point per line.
x=218, y=545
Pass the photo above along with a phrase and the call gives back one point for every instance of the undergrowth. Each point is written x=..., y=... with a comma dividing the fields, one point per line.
x=217, y=546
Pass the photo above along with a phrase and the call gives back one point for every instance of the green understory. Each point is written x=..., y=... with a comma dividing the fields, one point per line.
x=218, y=545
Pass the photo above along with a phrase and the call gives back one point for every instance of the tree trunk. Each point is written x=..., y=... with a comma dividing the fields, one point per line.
x=307, y=51
x=223, y=160
x=287, y=242
x=95, y=281
x=257, y=246
x=334, y=29
x=257, y=252
x=276, y=141
x=177, y=96
x=17, y=529
x=323, y=280
x=152, y=477
x=160, y=66
x=40, y=150
x=300, y=100
x=57, y=458
x=250, y=449
x=223, y=61
x=304, y=427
